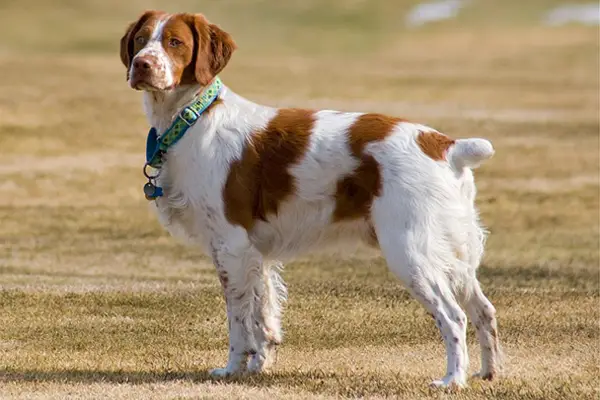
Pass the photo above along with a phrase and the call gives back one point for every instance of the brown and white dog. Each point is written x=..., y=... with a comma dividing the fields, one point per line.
x=250, y=183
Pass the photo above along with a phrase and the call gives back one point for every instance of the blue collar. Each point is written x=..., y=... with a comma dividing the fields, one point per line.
x=157, y=146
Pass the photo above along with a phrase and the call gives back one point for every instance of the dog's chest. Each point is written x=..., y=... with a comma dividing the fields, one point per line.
x=191, y=206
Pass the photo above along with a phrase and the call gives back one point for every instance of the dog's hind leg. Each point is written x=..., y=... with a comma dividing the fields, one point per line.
x=412, y=253
x=483, y=316
x=479, y=309
x=437, y=297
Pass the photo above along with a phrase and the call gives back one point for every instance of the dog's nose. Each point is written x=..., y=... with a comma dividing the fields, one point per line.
x=141, y=64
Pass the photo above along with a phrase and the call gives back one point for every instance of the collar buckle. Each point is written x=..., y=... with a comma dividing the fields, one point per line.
x=188, y=116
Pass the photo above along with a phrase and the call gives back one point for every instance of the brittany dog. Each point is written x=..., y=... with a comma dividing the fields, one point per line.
x=250, y=184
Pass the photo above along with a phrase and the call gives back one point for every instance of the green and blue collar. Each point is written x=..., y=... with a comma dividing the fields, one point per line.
x=157, y=146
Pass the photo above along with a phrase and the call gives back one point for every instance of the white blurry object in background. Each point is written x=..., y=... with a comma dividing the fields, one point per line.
x=588, y=14
x=434, y=11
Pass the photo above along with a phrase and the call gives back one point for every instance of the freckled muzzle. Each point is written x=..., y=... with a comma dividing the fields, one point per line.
x=149, y=72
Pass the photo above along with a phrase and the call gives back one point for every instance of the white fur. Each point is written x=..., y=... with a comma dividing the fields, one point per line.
x=469, y=153
x=425, y=221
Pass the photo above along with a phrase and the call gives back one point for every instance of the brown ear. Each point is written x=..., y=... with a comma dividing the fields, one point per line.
x=126, y=52
x=127, y=39
x=213, y=49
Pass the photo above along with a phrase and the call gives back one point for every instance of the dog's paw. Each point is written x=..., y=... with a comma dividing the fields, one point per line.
x=256, y=365
x=262, y=361
x=218, y=373
x=449, y=383
x=486, y=376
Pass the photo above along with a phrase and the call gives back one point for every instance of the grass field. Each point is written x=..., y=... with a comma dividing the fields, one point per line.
x=97, y=301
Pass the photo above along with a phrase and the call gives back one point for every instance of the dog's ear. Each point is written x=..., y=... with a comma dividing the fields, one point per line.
x=127, y=44
x=213, y=48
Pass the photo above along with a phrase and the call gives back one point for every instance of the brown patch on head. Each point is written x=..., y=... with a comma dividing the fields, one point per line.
x=178, y=41
x=434, y=144
x=355, y=192
x=260, y=180
x=144, y=26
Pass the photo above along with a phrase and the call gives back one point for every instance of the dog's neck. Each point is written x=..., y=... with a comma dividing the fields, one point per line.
x=161, y=107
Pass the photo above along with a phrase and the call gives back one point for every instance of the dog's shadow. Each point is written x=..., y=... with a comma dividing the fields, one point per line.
x=83, y=376
x=314, y=381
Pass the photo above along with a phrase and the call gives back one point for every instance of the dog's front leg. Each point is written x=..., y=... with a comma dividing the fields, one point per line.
x=239, y=266
x=267, y=318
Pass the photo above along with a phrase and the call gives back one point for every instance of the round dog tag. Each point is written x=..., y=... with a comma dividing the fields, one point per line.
x=149, y=189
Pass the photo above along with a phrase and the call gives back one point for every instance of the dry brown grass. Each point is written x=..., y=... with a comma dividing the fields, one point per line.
x=98, y=302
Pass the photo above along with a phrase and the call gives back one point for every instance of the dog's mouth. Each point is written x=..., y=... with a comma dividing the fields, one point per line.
x=145, y=86
x=148, y=86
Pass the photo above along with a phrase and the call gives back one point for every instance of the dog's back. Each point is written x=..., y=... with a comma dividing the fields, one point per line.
x=322, y=173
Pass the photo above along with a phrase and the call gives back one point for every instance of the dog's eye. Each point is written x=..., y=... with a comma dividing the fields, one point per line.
x=174, y=42
x=140, y=40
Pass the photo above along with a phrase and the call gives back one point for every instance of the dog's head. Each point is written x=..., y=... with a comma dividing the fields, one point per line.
x=162, y=51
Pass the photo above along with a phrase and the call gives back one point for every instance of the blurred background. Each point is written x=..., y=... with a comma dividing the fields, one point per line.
x=96, y=296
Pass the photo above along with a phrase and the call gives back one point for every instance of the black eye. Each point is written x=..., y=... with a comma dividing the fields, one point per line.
x=140, y=40
x=174, y=42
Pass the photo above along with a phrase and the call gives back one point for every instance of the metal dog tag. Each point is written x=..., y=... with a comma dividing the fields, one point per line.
x=150, y=190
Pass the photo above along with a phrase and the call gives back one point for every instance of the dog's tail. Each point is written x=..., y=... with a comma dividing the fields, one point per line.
x=469, y=153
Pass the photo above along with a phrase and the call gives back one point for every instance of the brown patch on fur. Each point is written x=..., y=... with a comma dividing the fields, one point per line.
x=434, y=144
x=179, y=41
x=355, y=192
x=260, y=180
